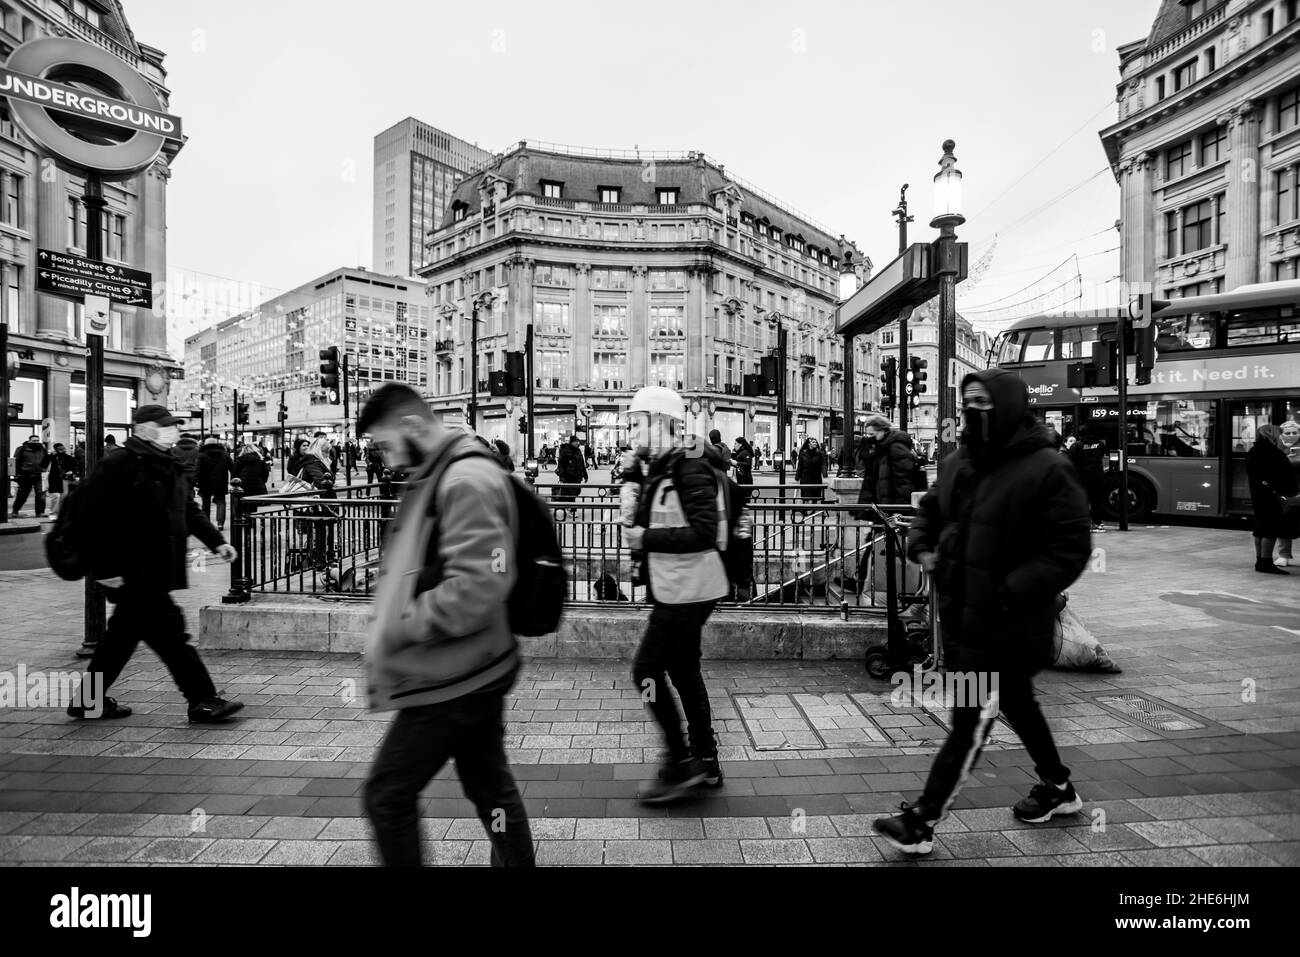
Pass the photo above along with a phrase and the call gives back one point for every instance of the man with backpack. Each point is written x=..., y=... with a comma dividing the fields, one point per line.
x=681, y=525
x=129, y=525
x=441, y=650
x=30, y=462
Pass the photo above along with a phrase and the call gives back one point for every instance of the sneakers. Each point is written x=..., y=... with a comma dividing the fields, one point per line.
x=1047, y=800
x=712, y=767
x=111, y=710
x=909, y=831
x=211, y=712
x=1266, y=566
x=1282, y=561
x=675, y=781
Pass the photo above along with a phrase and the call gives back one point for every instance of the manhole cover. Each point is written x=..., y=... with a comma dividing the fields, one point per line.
x=1159, y=716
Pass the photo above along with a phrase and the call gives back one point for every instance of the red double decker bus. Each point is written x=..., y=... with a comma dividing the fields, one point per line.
x=1225, y=365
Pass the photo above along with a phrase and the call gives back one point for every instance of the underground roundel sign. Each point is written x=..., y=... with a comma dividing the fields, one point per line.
x=85, y=106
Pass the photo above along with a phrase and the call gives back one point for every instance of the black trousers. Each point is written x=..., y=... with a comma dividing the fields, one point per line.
x=1014, y=699
x=26, y=485
x=418, y=743
x=220, y=498
x=670, y=651
x=152, y=617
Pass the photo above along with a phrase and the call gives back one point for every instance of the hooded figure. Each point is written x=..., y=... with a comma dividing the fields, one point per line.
x=186, y=452
x=1004, y=531
x=886, y=460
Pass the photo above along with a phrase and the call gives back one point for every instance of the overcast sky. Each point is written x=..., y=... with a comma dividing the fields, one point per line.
x=831, y=106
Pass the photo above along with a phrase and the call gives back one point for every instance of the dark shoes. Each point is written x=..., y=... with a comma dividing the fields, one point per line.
x=675, y=781
x=910, y=832
x=1266, y=566
x=214, y=711
x=1046, y=801
x=111, y=710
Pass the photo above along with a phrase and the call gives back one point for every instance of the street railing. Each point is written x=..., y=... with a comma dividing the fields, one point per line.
x=807, y=554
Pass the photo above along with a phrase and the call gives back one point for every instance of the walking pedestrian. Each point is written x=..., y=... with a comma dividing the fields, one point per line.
x=1004, y=531
x=679, y=526
x=139, y=515
x=213, y=470
x=186, y=452
x=887, y=463
x=1272, y=484
x=374, y=464
x=440, y=651
x=252, y=471
x=63, y=469
x=1291, y=446
x=742, y=458
x=1088, y=455
x=715, y=439
x=569, y=469
x=810, y=469
x=294, y=465
x=31, y=461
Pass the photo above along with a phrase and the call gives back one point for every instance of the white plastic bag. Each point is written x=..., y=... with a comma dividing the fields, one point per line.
x=1076, y=648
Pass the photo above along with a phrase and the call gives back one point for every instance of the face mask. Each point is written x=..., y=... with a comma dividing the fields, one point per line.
x=979, y=428
x=168, y=435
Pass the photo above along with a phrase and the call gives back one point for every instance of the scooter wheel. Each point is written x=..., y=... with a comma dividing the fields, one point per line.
x=877, y=664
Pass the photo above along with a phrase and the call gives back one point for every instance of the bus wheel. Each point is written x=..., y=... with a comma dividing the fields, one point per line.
x=1141, y=498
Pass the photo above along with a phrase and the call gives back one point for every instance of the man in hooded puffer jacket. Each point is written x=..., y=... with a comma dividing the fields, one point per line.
x=1004, y=531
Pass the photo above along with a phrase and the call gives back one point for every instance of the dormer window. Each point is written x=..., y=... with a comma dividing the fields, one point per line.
x=552, y=189
x=86, y=12
x=610, y=194
x=458, y=211
x=668, y=197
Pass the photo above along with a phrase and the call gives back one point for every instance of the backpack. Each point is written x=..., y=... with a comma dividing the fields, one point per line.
x=536, y=602
x=738, y=556
x=62, y=548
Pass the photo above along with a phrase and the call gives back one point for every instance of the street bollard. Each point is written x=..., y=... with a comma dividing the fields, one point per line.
x=239, y=527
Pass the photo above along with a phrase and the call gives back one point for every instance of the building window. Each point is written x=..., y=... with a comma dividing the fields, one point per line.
x=609, y=370
x=667, y=279
x=547, y=274
x=13, y=295
x=609, y=194
x=667, y=321
x=667, y=369
x=458, y=212
x=1198, y=226
x=1160, y=88
x=1195, y=8
x=115, y=240
x=1287, y=208
x=11, y=200
x=1171, y=235
x=76, y=223
x=1288, y=109
x=552, y=318
x=1209, y=60
x=1214, y=145
x=553, y=368
x=7, y=128
x=609, y=279
x=1268, y=23
x=1291, y=10
x=668, y=197
x=609, y=321
x=1185, y=75
x=1177, y=160
x=552, y=189
x=86, y=12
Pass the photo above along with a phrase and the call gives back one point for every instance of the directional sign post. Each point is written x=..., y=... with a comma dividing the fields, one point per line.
x=74, y=277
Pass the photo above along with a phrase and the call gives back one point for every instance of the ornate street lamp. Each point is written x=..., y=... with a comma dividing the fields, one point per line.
x=946, y=262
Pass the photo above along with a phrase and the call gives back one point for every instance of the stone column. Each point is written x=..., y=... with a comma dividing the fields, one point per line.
x=581, y=330
x=51, y=233
x=638, y=372
x=1137, y=235
x=1243, y=239
x=696, y=304
x=150, y=326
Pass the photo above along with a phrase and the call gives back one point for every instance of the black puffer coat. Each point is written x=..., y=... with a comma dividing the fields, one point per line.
x=252, y=471
x=887, y=469
x=214, y=468
x=1011, y=531
x=1271, y=476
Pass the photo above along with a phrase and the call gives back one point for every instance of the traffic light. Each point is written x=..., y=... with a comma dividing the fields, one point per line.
x=12, y=364
x=516, y=377
x=243, y=413
x=329, y=372
x=754, y=385
x=523, y=425
x=889, y=382
x=771, y=374
x=498, y=382
x=284, y=412
x=916, y=377
x=1142, y=311
x=15, y=411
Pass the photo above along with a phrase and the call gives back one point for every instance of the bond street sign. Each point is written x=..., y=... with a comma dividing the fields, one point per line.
x=78, y=287
x=66, y=275
x=86, y=107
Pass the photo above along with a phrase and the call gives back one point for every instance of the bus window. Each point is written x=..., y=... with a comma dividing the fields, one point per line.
x=1076, y=342
x=1184, y=428
x=1184, y=333
x=1247, y=417
x=1039, y=345
x=1263, y=326
x=1007, y=348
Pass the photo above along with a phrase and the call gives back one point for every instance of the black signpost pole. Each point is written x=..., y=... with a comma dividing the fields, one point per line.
x=532, y=428
x=4, y=418
x=94, y=200
x=1122, y=368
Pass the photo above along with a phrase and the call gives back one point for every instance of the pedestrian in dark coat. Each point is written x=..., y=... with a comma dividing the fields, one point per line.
x=213, y=470
x=62, y=471
x=294, y=465
x=252, y=471
x=570, y=469
x=810, y=469
x=30, y=462
x=139, y=513
x=186, y=452
x=886, y=461
x=1004, y=531
x=743, y=459
x=1271, y=481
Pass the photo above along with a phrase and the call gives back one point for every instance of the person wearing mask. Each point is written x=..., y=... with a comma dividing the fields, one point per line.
x=294, y=465
x=252, y=470
x=680, y=527
x=715, y=439
x=440, y=651
x=1290, y=432
x=62, y=471
x=31, y=461
x=1004, y=531
x=885, y=461
x=810, y=470
x=213, y=470
x=1272, y=482
x=140, y=514
x=186, y=452
x=569, y=469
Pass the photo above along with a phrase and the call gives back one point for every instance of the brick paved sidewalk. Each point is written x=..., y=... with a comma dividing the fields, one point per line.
x=812, y=750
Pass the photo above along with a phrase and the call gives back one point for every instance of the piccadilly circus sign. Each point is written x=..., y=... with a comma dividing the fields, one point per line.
x=86, y=107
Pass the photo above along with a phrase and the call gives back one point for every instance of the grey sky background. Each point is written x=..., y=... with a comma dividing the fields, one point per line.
x=828, y=105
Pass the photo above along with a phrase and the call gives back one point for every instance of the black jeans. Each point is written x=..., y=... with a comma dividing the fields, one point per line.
x=152, y=617
x=220, y=498
x=670, y=650
x=26, y=485
x=1014, y=699
x=418, y=743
